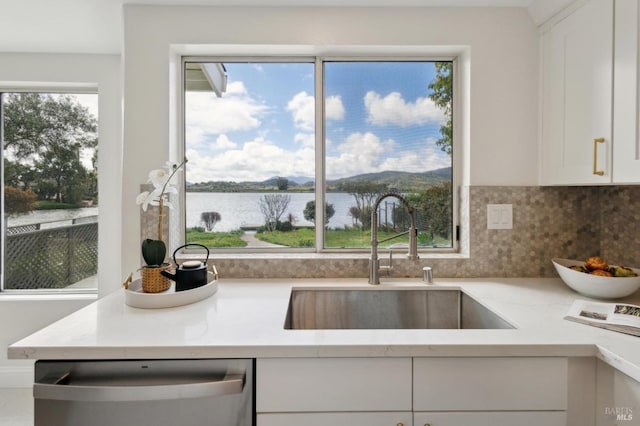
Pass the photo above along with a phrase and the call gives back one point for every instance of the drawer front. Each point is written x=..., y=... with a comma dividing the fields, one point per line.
x=333, y=384
x=468, y=384
x=336, y=419
x=510, y=418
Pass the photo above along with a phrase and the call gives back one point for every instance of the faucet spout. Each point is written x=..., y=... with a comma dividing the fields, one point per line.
x=374, y=262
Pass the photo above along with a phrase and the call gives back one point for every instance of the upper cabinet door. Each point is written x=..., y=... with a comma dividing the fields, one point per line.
x=577, y=86
x=626, y=121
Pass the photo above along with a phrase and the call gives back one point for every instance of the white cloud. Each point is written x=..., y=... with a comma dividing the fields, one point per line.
x=417, y=161
x=394, y=110
x=302, y=108
x=334, y=109
x=255, y=160
x=235, y=111
x=360, y=153
x=223, y=142
x=307, y=140
x=367, y=153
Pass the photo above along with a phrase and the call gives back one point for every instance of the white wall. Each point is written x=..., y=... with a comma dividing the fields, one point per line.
x=22, y=315
x=503, y=64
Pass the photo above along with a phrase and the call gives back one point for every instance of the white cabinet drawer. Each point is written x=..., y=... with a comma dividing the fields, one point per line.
x=468, y=384
x=333, y=384
x=336, y=419
x=508, y=418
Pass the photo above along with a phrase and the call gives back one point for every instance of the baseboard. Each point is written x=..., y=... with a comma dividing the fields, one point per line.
x=16, y=377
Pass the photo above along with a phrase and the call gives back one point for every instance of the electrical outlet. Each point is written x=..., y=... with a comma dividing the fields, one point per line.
x=499, y=216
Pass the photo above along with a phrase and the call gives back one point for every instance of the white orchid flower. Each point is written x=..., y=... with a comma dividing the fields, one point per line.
x=170, y=189
x=161, y=180
x=159, y=177
x=147, y=199
x=168, y=203
x=143, y=199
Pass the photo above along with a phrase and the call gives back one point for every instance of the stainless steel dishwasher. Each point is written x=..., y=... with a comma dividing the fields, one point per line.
x=203, y=392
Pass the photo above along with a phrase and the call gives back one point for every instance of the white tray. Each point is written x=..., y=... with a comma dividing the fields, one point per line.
x=135, y=297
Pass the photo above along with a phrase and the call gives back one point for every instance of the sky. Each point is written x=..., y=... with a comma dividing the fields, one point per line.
x=378, y=117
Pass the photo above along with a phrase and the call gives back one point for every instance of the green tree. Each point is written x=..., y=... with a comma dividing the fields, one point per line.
x=282, y=183
x=434, y=211
x=61, y=166
x=19, y=175
x=442, y=96
x=50, y=133
x=310, y=211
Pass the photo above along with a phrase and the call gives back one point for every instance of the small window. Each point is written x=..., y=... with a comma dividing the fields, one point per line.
x=50, y=191
x=393, y=135
x=251, y=151
x=259, y=161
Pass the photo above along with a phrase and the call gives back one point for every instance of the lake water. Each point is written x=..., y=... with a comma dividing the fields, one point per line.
x=242, y=208
x=51, y=218
x=236, y=209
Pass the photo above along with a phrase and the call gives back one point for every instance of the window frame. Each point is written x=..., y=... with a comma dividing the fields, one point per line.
x=179, y=215
x=49, y=88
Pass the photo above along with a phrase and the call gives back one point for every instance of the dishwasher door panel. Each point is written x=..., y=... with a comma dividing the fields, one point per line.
x=150, y=392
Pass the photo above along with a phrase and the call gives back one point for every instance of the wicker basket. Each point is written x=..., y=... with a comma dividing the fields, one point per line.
x=153, y=281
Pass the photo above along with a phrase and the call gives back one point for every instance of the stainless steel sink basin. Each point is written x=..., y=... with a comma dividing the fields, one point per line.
x=388, y=308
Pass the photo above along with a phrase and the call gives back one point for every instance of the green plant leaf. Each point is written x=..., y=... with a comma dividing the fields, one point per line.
x=153, y=252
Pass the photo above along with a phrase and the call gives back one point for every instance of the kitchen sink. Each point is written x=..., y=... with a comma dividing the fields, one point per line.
x=388, y=308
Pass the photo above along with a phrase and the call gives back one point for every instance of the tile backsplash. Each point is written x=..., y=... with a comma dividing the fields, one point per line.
x=569, y=222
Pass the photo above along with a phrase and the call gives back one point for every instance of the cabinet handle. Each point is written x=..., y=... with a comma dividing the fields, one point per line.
x=596, y=141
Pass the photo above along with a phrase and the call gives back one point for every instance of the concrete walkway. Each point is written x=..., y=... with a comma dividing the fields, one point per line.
x=253, y=242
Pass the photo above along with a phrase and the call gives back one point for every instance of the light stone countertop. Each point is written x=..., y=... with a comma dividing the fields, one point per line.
x=245, y=319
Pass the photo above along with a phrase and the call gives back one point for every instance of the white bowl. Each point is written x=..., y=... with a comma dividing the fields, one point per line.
x=594, y=285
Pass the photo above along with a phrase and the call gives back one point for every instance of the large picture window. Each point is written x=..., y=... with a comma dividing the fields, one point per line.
x=260, y=162
x=49, y=191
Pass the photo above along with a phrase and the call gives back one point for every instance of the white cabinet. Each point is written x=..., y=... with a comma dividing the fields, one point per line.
x=490, y=391
x=590, y=124
x=333, y=384
x=626, y=95
x=577, y=97
x=489, y=384
x=404, y=391
x=617, y=399
x=333, y=391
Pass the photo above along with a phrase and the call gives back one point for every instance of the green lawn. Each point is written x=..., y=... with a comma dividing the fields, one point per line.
x=215, y=239
x=304, y=237
x=352, y=238
x=53, y=205
x=298, y=238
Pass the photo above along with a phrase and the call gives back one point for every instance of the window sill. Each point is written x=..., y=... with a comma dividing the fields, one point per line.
x=319, y=256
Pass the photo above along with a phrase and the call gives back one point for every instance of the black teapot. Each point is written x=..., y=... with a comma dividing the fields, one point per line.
x=191, y=274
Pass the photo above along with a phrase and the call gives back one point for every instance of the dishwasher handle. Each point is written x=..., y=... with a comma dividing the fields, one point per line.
x=231, y=384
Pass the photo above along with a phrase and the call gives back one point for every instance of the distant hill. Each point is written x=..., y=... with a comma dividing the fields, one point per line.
x=401, y=181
